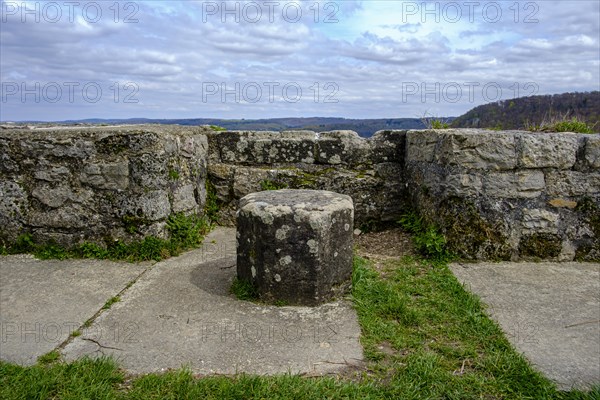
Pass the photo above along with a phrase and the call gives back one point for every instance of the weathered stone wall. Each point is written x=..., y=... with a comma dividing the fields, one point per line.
x=91, y=184
x=495, y=195
x=370, y=171
x=509, y=195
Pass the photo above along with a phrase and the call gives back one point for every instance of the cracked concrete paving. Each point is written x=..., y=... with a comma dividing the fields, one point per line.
x=42, y=302
x=549, y=311
x=180, y=313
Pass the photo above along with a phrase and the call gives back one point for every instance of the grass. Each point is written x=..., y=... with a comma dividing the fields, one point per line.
x=185, y=232
x=427, y=238
x=433, y=122
x=561, y=123
x=49, y=358
x=424, y=337
x=212, y=207
x=110, y=302
x=244, y=290
x=173, y=174
x=272, y=185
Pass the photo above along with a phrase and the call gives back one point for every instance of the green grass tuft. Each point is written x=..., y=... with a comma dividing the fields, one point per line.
x=562, y=123
x=49, y=358
x=110, y=302
x=211, y=207
x=272, y=185
x=428, y=240
x=185, y=232
x=244, y=290
x=173, y=174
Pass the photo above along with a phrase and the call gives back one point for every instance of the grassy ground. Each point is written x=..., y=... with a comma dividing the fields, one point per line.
x=424, y=338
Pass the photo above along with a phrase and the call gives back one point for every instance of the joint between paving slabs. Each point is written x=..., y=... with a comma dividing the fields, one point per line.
x=102, y=309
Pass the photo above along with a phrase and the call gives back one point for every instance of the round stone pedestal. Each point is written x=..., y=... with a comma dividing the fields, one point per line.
x=295, y=246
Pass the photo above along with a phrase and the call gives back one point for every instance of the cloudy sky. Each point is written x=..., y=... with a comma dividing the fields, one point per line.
x=265, y=59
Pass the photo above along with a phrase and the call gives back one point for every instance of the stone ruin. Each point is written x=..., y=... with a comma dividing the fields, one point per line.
x=295, y=246
x=505, y=195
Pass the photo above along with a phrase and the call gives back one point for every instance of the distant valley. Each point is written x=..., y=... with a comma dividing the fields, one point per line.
x=518, y=113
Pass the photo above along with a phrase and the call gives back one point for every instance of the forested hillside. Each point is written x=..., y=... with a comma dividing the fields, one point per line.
x=533, y=110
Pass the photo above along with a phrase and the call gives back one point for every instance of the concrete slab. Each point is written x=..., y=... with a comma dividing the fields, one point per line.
x=549, y=311
x=180, y=313
x=42, y=302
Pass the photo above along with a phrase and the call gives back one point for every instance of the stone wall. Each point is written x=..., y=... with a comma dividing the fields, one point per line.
x=509, y=195
x=370, y=171
x=91, y=184
x=495, y=195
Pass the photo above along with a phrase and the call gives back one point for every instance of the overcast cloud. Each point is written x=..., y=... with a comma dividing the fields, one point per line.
x=265, y=59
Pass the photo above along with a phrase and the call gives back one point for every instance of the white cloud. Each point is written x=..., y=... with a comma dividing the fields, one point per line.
x=369, y=61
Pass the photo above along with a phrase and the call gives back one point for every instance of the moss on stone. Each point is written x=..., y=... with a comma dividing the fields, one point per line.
x=540, y=245
x=468, y=234
x=591, y=212
x=309, y=179
x=589, y=252
x=133, y=223
x=113, y=144
x=212, y=206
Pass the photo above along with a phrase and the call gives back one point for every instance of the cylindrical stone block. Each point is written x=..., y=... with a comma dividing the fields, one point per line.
x=295, y=246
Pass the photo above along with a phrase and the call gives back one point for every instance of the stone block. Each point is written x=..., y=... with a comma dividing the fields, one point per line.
x=463, y=185
x=151, y=206
x=184, y=199
x=195, y=146
x=243, y=147
x=149, y=171
x=53, y=197
x=522, y=184
x=53, y=174
x=343, y=147
x=548, y=150
x=233, y=146
x=295, y=246
x=14, y=207
x=248, y=180
x=73, y=216
x=114, y=176
x=7, y=163
x=389, y=146
x=539, y=221
x=572, y=183
x=292, y=147
x=592, y=151
x=562, y=203
x=221, y=177
x=421, y=145
x=478, y=149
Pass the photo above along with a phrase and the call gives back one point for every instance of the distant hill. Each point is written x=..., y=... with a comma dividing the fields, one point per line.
x=518, y=113
x=364, y=127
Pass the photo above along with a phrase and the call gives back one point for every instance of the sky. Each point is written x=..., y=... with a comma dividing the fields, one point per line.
x=64, y=60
